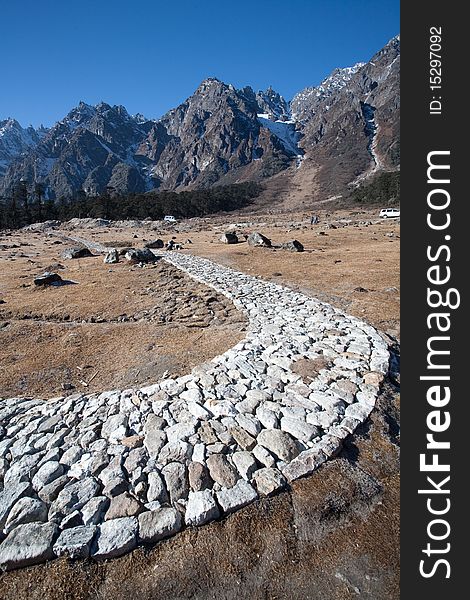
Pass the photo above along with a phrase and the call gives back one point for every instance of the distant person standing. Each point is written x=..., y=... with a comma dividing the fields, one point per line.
x=314, y=220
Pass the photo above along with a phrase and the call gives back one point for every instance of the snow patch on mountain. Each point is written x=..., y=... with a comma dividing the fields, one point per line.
x=285, y=131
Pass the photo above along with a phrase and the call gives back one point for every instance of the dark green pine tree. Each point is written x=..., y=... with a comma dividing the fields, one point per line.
x=37, y=208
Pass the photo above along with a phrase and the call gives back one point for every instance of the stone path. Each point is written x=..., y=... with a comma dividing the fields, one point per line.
x=96, y=475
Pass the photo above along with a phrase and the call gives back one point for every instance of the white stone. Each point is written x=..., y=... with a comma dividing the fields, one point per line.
x=93, y=511
x=198, y=411
x=267, y=417
x=115, y=537
x=221, y=408
x=115, y=428
x=249, y=423
x=263, y=456
x=82, y=466
x=199, y=453
x=158, y=524
x=178, y=451
x=156, y=488
x=47, y=473
x=9, y=496
x=299, y=429
x=304, y=464
x=75, y=542
x=358, y=411
x=241, y=494
x=26, y=510
x=201, y=508
x=279, y=443
x=180, y=431
x=191, y=395
x=268, y=481
x=245, y=463
x=28, y=544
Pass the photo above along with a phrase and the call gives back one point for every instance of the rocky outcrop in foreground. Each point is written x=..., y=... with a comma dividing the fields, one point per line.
x=95, y=475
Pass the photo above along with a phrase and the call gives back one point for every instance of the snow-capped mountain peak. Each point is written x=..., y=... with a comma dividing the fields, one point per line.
x=331, y=84
x=15, y=141
x=273, y=105
x=218, y=134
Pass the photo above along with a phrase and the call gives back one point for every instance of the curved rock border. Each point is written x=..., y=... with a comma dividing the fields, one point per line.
x=95, y=475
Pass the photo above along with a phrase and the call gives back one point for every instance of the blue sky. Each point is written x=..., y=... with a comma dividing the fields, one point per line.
x=150, y=55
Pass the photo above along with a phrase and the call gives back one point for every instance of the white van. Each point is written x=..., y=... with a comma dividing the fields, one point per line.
x=388, y=213
x=169, y=219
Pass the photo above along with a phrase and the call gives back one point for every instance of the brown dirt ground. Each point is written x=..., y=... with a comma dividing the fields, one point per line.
x=333, y=267
x=336, y=264
x=74, y=335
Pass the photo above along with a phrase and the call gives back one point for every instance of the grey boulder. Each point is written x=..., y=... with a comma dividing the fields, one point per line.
x=293, y=246
x=47, y=473
x=112, y=257
x=201, y=508
x=154, y=244
x=158, y=524
x=28, y=544
x=76, y=252
x=156, y=488
x=258, y=239
x=48, y=278
x=115, y=537
x=229, y=238
x=75, y=542
x=9, y=496
x=144, y=255
x=279, y=443
x=73, y=497
x=26, y=510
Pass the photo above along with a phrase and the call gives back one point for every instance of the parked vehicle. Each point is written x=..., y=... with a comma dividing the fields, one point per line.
x=169, y=219
x=388, y=213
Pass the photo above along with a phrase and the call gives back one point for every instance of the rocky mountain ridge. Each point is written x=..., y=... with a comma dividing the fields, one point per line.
x=16, y=140
x=347, y=128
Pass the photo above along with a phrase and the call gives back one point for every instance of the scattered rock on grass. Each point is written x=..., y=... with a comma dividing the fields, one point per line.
x=258, y=239
x=48, y=278
x=155, y=244
x=111, y=257
x=293, y=246
x=144, y=255
x=76, y=252
x=229, y=238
